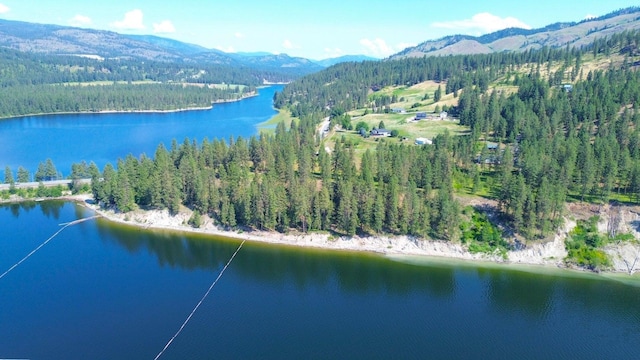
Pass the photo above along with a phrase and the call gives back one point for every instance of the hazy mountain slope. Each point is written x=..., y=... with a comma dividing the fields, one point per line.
x=62, y=40
x=53, y=39
x=513, y=39
x=170, y=44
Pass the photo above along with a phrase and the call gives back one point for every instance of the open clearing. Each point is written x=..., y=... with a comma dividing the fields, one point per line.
x=269, y=126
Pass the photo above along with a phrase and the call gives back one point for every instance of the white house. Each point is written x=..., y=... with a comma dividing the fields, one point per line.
x=380, y=132
x=423, y=141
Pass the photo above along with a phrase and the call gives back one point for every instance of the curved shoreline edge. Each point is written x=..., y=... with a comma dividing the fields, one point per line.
x=149, y=111
x=538, y=258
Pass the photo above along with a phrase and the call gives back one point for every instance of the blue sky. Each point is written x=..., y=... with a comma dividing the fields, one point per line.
x=311, y=29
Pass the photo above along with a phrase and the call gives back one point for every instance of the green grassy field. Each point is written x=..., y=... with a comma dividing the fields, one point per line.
x=403, y=123
x=418, y=97
x=145, y=82
x=269, y=126
x=103, y=83
x=408, y=130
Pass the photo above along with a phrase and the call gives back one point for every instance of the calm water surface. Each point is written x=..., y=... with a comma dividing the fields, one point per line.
x=105, y=291
x=103, y=138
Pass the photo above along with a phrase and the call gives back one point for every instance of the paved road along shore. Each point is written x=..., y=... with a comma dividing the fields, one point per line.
x=30, y=185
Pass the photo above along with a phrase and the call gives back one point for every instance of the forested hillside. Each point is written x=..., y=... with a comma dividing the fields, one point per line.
x=277, y=182
x=348, y=85
x=22, y=68
x=555, y=142
x=76, y=41
x=49, y=99
x=36, y=84
x=564, y=123
x=562, y=34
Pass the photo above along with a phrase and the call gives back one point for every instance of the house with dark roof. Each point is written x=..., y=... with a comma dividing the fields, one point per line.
x=380, y=132
x=421, y=115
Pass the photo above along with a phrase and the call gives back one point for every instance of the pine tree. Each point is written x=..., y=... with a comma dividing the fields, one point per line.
x=23, y=175
x=379, y=213
x=123, y=192
x=392, y=205
x=437, y=95
x=8, y=176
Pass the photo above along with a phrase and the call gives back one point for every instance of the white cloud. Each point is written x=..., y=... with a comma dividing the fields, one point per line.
x=482, y=23
x=287, y=44
x=239, y=35
x=80, y=20
x=377, y=47
x=589, y=17
x=132, y=21
x=164, y=27
x=4, y=9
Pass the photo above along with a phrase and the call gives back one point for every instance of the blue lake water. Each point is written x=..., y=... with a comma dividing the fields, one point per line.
x=103, y=138
x=105, y=291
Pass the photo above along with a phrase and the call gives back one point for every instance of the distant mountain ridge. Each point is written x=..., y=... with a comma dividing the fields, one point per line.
x=65, y=40
x=517, y=39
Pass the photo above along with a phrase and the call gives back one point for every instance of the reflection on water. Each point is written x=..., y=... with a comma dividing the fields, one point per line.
x=354, y=272
x=17, y=208
x=49, y=208
x=101, y=285
x=521, y=293
x=525, y=294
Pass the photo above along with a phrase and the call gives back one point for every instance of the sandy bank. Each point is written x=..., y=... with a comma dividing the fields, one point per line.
x=625, y=257
x=549, y=254
x=149, y=111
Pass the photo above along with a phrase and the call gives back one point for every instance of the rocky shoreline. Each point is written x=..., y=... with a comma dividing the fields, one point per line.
x=625, y=257
x=131, y=111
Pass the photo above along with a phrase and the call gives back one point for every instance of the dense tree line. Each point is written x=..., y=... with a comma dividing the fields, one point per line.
x=348, y=85
x=279, y=182
x=37, y=83
x=553, y=142
x=43, y=99
x=583, y=142
x=22, y=68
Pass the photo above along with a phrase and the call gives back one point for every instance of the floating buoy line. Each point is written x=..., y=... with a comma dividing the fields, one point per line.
x=200, y=302
x=64, y=226
x=206, y=294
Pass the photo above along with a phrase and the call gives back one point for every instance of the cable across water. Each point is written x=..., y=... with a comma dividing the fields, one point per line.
x=66, y=225
x=199, y=302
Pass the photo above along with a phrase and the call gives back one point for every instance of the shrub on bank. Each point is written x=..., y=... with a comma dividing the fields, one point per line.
x=583, y=245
